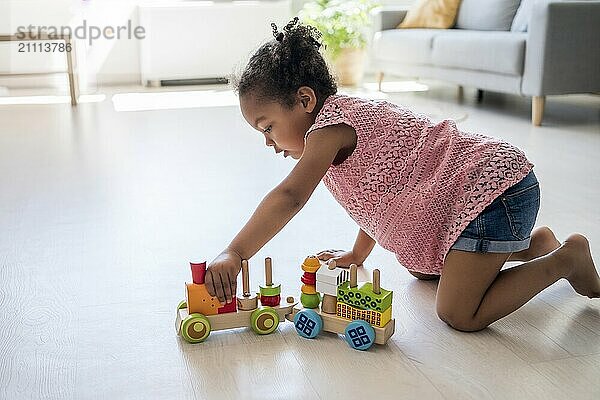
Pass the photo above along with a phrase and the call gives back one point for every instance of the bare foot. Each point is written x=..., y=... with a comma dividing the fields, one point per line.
x=581, y=273
x=543, y=242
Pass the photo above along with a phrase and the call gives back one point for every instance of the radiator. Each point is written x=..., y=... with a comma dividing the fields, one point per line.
x=204, y=40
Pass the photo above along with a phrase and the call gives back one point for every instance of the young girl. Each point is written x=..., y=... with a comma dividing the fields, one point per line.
x=449, y=204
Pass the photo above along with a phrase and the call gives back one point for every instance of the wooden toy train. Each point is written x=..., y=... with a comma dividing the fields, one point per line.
x=363, y=314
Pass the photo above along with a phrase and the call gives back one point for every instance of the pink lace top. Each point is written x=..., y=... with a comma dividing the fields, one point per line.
x=413, y=185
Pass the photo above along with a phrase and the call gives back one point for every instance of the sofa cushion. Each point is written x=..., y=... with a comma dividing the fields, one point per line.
x=488, y=15
x=498, y=52
x=431, y=14
x=409, y=46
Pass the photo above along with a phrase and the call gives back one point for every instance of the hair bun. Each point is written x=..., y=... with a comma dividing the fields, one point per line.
x=288, y=61
x=276, y=34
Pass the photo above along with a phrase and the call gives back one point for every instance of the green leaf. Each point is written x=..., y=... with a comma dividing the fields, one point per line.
x=342, y=23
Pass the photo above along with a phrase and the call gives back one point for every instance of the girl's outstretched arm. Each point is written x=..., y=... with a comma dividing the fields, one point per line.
x=277, y=208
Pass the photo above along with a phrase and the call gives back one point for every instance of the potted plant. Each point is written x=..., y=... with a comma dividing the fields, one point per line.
x=343, y=24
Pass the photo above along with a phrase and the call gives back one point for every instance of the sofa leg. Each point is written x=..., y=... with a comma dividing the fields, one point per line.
x=537, y=109
x=379, y=80
x=461, y=93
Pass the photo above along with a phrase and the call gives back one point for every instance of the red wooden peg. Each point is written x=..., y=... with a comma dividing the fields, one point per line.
x=198, y=272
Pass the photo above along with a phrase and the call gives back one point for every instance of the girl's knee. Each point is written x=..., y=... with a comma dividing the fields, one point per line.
x=463, y=323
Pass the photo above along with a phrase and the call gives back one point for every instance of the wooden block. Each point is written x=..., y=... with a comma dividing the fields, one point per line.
x=198, y=272
x=326, y=288
x=363, y=297
x=310, y=300
x=270, y=301
x=228, y=307
x=270, y=290
x=329, y=304
x=200, y=301
x=311, y=264
x=309, y=278
x=374, y=318
x=335, y=276
x=239, y=319
x=308, y=289
x=247, y=303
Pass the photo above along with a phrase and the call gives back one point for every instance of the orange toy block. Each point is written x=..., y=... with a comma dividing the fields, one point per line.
x=200, y=301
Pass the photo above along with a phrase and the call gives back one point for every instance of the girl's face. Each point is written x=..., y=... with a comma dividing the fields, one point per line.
x=283, y=128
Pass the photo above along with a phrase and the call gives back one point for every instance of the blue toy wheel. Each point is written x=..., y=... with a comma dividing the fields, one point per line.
x=308, y=323
x=359, y=334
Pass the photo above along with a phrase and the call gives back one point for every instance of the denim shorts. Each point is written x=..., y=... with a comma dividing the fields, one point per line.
x=505, y=225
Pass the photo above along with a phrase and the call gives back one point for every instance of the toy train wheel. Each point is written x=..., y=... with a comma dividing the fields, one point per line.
x=182, y=304
x=264, y=320
x=308, y=323
x=195, y=328
x=359, y=334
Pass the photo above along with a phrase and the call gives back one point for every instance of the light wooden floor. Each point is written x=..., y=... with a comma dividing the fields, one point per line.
x=100, y=212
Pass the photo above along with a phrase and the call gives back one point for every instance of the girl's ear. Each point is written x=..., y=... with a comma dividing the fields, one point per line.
x=307, y=98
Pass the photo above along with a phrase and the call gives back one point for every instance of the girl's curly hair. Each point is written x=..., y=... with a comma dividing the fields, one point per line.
x=281, y=66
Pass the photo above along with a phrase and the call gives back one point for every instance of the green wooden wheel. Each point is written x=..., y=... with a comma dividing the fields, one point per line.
x=182, y=304
x=195, y=328
x=264, y=320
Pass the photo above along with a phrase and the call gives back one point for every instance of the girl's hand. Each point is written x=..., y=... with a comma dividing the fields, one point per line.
x=221, y=276
x=342, y=258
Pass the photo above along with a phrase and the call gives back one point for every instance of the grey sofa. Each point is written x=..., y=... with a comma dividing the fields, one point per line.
x=553, y=48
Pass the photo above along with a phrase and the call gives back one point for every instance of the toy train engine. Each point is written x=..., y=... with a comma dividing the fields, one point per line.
x=202, y=313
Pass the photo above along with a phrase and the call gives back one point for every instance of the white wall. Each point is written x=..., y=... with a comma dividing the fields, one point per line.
x=105, y=62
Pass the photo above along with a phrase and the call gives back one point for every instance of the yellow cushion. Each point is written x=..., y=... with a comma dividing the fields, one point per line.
x=431, y=14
